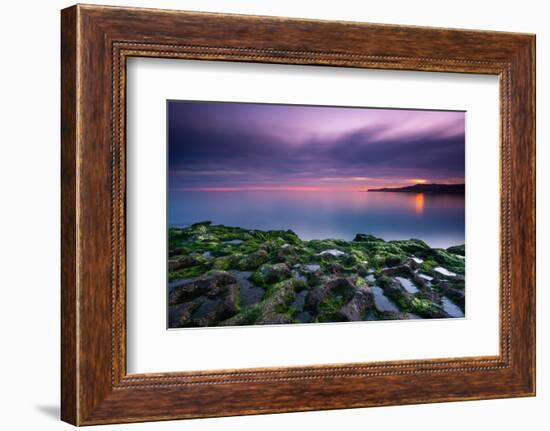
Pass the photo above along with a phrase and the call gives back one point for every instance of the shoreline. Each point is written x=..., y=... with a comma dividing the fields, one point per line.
x=188, y=225
x=231, y=276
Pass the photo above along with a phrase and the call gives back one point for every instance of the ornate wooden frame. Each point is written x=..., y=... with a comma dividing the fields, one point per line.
x=95, y=42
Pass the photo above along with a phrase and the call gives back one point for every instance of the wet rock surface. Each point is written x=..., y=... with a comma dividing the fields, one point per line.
x=206, y=301
x=355, y=309
x=253, y=260
x=227, y=276
x=268, y=274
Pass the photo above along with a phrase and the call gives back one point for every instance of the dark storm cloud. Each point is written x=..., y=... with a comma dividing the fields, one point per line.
x=228, y=144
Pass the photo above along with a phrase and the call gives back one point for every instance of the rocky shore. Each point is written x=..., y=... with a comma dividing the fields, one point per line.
x=229, y=276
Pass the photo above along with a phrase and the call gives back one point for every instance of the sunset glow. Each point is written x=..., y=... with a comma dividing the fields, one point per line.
x=282, y=214
x=419, y=203
x=227, y=147
x=269, y=188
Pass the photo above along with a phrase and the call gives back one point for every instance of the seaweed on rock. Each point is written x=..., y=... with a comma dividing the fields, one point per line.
x=217, y=275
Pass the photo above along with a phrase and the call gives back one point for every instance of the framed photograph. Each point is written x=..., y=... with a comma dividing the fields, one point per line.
x=266, y=215
x=264, y=202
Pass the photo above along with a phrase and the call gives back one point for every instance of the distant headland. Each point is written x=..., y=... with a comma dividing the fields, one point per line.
x=425, y=188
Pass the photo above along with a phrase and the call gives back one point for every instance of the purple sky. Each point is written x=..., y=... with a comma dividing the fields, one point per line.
x=236, y=146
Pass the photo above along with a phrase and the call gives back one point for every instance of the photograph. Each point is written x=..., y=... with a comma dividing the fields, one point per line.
x=284, y=214
x=289, y=212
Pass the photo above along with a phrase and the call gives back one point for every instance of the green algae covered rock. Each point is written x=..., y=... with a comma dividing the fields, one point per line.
x=253, y=260
x=204, y=301
x=271, y=273
x=226, y=276
x=458, y=249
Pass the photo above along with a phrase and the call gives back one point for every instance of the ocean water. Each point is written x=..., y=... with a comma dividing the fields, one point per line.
x=437, y=219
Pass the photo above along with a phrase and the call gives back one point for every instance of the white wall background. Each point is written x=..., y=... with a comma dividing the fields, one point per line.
x=29, y=215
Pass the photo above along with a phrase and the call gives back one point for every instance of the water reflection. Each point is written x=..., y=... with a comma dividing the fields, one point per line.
x=419, y=203
x=436, y=219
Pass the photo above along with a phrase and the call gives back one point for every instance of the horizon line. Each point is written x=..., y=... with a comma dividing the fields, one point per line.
x=295, y=188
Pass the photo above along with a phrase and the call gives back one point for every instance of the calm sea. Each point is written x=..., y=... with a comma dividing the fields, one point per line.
x=436, y=219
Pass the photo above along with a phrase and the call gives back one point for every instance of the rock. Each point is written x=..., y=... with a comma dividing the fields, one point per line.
x=458, y=249
x=453, y=293
x=237, y=320
x=362, y=300
x=339, y=300
x=227, y=261
x=394, y=291
x=414, y=262
x=349, y=260
x=411, y=246
x=268, y=246
x=407, y=284
x=180, y=314
x=216, y=310
x=215, y=304
x=212, y=285
x=314, y=298
x=392, y=315
x=304, y=317
x=332, y=252
x=269, y=274
x=177, y=251
x=406, y=271
x=286, y=255
x=361, y=237
x=451, y=262
x=334, y=268
x=401, y=270
x=362, y=269
x=444, y=271
x=301, y=280
x=270, y=311
x=361, y=281
x=430, y=295
x=330, y=277
x=184, y=262
x=340, y=288
x=284, y=293
x=421, y=282
x=273, y=318
x=312, y=267
x=426, y=308
x=253, y=260
x=425, y=277
x=202, y=223
x=235, y=241
x=273, y=310
x=173, y=264
x=423, y=303
x=393, y=260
